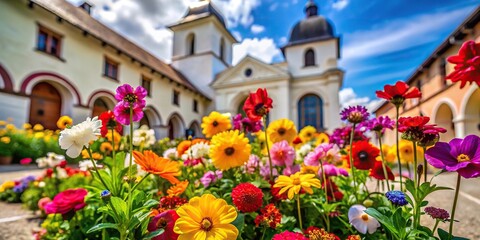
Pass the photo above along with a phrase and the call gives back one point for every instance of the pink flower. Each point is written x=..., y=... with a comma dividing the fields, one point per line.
x=332, y=171
x=211, y=177
x=289, y=236
x=25, y=161
x=467, y=64
x=67, y=201
x=130, y=97
x=42, y=202
x=320, y=153
x=289, y=170
x=252, y=164
x=122, y=113
x=282, y=154
x=265, y=171
x=165, y=220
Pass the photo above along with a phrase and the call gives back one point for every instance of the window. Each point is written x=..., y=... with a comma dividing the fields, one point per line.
x=49, y=42
x=248, y=72
x=191, y=44
x=111, y=69
x=176, y=98
x=195, y=105
x=222, y=49
x=310, y=112
x=309, y=58
x=146, y=83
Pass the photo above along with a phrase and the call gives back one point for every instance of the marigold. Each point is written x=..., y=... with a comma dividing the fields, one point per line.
x=282, y=129
x=247, y=197
x=5, y=140
x=315, y=233
x=307, y=133
x=106, y=147
x=152, y=163
x=38, y=127
x=183, y=146
x=296, y=182
x=64, y=121
x=178, y=188
x=215, y=123
x=229, y=149
x=27, y=126
x=206, y=217
x=269, y=216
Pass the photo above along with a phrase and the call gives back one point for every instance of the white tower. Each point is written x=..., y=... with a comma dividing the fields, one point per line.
x=202, y=45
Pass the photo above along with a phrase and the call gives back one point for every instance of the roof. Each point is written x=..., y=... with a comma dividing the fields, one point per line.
x=200, y=10
x=311, y=29
x=82, y=20
x=459, y=33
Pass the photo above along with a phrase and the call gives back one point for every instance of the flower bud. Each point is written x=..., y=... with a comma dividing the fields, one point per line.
x=368, y=203
x=106, y=195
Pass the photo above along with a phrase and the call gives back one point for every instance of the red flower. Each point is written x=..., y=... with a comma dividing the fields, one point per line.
x=165, y=220
x=287, y=235
x=364, y=155
x=315, y=233
x=269, y=216
x=467, y=68
x=377, y=172
x=257, y=105
x=247, y=197
x=297, y=140
x=333, y=194
x=109, y=122
x=67, y=201
x=170, y=202
x=354, y=237
x=410, y=122
x=398, y=93
x=275, y=190
x=416, y=128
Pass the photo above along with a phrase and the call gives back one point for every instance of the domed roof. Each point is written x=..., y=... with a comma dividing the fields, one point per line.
x=202, y=9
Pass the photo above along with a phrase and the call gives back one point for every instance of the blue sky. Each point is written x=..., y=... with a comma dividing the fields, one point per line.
x=381, y=41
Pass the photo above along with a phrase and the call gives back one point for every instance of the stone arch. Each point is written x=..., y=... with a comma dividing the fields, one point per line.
x=194, y=126
x=101, y=101
x=443, y=115
x=238, y=100
x=151, y=117
x=6, y=83
x=67, y=88
x=470, y=111
x=176, y=126
x=45, y=105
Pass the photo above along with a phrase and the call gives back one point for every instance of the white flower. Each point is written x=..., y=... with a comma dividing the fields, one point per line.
x=144, y=136
x=61, y=173
x=51, y=160
x=85, y=165
x=362, y=221
x=41, y=184
x=170, y=153
x=200, y=150
x=74, y=139
x=303, y=151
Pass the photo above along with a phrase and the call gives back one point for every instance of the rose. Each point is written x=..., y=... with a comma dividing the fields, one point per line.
x=66, y=201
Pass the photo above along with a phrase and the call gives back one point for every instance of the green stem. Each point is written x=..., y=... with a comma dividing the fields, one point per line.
x=452, y=219
x=264, y=230
x=268, y=148
x=425, y=165
x=379, y=135
x=398, y=147
x=436, y=225
x=324, y=181
x=131, y=146
x=136, y=185
x=415, y=165
x=299, y=212
x=96, y=169
x=352, y=135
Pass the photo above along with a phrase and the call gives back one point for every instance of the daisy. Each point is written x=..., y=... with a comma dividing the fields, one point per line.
x=74, y=139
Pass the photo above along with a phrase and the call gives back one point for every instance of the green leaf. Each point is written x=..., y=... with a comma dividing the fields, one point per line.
x=120, y=207
x=101, y=226
x=384, y=220
x=239, y=222
x=154, y=234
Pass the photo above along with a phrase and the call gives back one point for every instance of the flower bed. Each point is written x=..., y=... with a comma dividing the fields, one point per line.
x=246, y=180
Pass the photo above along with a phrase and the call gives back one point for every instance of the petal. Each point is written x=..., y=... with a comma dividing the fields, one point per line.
x=360, y=225
x=372, y=225
x=471, y=171
x=439, y=155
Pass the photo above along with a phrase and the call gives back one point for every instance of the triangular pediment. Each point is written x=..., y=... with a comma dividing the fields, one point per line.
x=249, y=69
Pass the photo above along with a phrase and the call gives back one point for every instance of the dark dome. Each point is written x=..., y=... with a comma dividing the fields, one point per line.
x=312, y=28
x=202, y=9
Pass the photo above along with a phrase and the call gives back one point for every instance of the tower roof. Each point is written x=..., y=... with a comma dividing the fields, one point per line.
x=202, y=9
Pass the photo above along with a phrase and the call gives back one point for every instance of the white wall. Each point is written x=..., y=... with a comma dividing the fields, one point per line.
x=325, y=58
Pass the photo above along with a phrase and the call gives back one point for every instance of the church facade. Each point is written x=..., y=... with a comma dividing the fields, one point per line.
x=55, y=59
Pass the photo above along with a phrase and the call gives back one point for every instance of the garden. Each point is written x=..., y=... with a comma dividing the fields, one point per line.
x=245, y=179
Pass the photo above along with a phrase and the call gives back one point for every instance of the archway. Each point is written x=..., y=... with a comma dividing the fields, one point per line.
x=310, y=112
x=472, y=113
x=240, y=108
x=45, y=105
x=444, y=118
x=176, y=127
x=195, y=130
x=100, y=105
x=145, y=121
x=6, y=81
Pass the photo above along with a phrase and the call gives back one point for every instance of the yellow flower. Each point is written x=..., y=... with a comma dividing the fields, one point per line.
x=406, y=152
x=7, y=185
x=309, y=169
x=27, y=126
x=229, y=149
x=296, y=182
x=206, y=217
x=64, y=121
x=282, y=129
x=39, y=135
x=116, y=136
x=38, y=127
x=215, y=123
x=106, y=147
x=5, y=140
x=3, y=123
x=322, y=138
x=178, y=188
x=10, y=127
x=388, y=154
x=307, y=133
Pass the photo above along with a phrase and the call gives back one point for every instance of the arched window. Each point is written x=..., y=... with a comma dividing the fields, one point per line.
x=191, y=44
x=309, y=58
x=310, y=112
x=222, y=49
x=99, y=106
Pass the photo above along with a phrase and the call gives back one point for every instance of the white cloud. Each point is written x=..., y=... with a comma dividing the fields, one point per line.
x=263, y=49
x=256, y=29
x=399, y=34
x=348, y=97
x=273, y=7
x=340, y=4
x=237, y=11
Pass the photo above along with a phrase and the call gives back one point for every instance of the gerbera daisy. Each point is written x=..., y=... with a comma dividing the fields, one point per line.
x=397, y=93
x=307, y=133
x=178, y=188
x=74, y=139
x=257, y=105
x=296, y=182
x=206, y=217
x=281, y=129
x=229, y=149
x=247, y=197
x=215, y=123
x=364, y=155
x=152, y=163
x=64, y=121
x=321, y=138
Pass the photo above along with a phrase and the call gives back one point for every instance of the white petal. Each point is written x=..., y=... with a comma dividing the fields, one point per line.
x=355, y=211
x=360, y=225
x=372, y=224
x=74, y=151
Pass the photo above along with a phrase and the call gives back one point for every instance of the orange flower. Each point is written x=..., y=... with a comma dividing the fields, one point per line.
x=152, y=163
x=178, y=188
x=183, y=146
x=199, y=140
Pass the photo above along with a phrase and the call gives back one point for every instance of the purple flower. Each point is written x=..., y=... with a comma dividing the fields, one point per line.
x=252, y=164
x=460, y=155
x=265, y=170
x=437, y=213
x=332, y=171
x=341, y=136
x=289, y=170
x=318, y=154
x=246, y=124
x=122, y=113
x=379, y=124
x=282, y=154
x=237, y=122
x=211, y=177
x=356, y=114
x=130, y=97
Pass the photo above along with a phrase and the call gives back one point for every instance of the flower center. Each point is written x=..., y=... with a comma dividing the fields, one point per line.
x=260, y=109
x=463, y=158
x=215, y=123
x=281, y=131
x=355, y=117
x=364, y=217
x=206, y=224
x=131, y=98
x=229, y=151
x=363, y=156
x=296, y=181
x=397, y=100
x=161, y=223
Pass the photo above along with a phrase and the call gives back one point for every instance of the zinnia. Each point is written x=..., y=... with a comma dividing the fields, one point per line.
x=66, y=201
x=459, y=155
x=127, y=96
x=215, y=123
x=282, y=154
x=296, y=182
x=257, y=105
x=287, y=235
x=152, y=163
x=467, y=68
x=397, y=93
x=165, y=220
x=247, y=197
x=122, y=113
x=229, y=149
x=74, y=139
x=206, y=217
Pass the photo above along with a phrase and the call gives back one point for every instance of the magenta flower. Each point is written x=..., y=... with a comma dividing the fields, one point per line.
x=341, y=136
x=289, y=170
x=237, y=122
x=25, y=161
x=356, y=114
x=459, y=155
x=67, y=201
x=332, y=171
x=318, y=154
x=211, y=177
x=130, y=97
x=282, y=154
x=379, y=124
x=122, y=113
x=252, y=164
x=165, y=220
x=265, y=171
